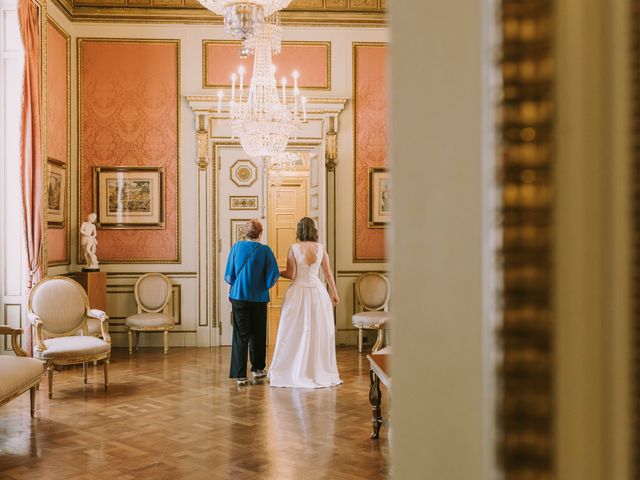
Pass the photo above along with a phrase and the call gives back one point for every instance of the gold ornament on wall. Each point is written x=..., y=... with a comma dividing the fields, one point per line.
x=526, y=371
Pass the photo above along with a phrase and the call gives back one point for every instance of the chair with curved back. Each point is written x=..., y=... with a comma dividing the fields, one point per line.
x=58, y=308
x=373, y=291
x=152, y=293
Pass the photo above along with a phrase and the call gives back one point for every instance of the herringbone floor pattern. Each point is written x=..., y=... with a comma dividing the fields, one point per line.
x=180, y=417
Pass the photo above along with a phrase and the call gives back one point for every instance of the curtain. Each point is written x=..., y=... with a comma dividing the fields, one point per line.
x=31, y=145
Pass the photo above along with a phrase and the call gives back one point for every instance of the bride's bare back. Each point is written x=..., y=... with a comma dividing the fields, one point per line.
x=310, y=252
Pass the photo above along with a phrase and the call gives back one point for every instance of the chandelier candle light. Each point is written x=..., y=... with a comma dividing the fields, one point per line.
x=262, y=118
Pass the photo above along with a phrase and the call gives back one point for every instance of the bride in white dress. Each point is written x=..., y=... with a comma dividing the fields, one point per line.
x=305, y=353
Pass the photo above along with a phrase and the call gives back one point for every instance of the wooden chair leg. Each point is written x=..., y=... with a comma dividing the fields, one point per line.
x=379, y=340
x=32, y=399
x=106, y=373
x=130, y=342
x=166, y=341
x=84, y=372
x=50, y=372
x=360, y=339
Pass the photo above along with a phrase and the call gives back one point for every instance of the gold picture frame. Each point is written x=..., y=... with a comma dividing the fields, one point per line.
x=56, y=193
x=238, y=230
x=129, y=197
x=237, y=202
x=379, y=207
x=243, y=173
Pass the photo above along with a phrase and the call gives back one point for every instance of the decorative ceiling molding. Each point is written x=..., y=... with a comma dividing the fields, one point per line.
x=365, y=13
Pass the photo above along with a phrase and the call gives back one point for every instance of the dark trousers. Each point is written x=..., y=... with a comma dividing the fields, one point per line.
x=249, y=333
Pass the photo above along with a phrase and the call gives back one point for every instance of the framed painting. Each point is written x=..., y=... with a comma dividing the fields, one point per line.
x=243, y=203
x=129, y=197
x=238, y=230
x=379, y=197
x=56, y=193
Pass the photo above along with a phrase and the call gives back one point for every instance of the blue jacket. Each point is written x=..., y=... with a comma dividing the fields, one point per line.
x=252, y=282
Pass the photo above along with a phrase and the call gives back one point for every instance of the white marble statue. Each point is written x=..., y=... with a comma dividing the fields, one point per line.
x=88, y=242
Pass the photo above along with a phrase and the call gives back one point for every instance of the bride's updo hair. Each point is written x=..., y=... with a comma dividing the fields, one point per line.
x=306, y=231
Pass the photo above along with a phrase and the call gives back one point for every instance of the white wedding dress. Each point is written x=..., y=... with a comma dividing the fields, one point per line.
x=305, y=353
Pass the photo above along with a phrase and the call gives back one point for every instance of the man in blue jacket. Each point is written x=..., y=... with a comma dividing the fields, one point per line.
x=251, y=271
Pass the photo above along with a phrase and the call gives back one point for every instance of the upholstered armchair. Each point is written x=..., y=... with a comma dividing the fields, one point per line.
x=58, y=309
x=18, y=373
x=152, y=293
x=373, y=291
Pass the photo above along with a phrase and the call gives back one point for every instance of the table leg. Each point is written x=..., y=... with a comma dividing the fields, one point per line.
x=375, y=399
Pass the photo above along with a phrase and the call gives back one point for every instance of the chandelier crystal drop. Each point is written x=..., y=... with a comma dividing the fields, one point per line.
x=243, y=18
x=263, y=117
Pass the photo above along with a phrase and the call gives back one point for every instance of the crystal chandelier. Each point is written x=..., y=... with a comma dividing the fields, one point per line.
x=243, y=18
x=261, y=117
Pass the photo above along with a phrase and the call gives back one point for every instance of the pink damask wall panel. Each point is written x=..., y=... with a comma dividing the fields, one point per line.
x=311, y=59
x=58, y=128
x=128, y=93
x=371, y=141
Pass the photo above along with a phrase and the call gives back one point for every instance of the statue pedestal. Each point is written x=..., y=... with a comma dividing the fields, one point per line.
x=95, y=284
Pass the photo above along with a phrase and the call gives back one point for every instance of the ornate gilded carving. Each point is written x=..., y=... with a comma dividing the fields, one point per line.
x=364, y=13
x=331, y=145
x=525, y=170
x=375, y=399
x=202, y=143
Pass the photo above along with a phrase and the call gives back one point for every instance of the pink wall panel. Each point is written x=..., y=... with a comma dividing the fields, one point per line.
x=129, y=117
x=312, y=60
x=371, y=141
x=58, y=128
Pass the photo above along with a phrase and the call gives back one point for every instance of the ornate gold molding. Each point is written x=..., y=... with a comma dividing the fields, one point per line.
x=525, y=170
x=285, y=43
x=351, y=13
x=67, y=38
x=178, y=44
x=354, y=49
x=331, y=145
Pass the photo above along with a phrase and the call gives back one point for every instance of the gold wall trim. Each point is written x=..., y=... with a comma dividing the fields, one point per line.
x=324, y=16
x=67, y=38
x=80, y=41
x=354, y=48
x=285, y=43
x=525, y=414
x=635, y=241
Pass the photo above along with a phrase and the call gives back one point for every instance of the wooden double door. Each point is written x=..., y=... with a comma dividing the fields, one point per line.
x=288, y=199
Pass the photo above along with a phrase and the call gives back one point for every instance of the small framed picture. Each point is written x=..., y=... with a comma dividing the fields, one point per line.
x=238, y=230
x=379, y=197
x=56, y=193
x=243, y=173
x=243, y=203
x=129, y=197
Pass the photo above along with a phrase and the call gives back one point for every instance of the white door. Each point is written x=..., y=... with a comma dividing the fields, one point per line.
x=240, y=198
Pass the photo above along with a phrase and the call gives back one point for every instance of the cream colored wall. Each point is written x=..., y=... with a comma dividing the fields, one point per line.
x=442, y=383
x=186, y=272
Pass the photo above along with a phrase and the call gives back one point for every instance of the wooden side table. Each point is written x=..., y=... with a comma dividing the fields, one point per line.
x=95, y=284
x=380, y=371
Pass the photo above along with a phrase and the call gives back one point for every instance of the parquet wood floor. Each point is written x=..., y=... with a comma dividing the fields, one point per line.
x=180, y=417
